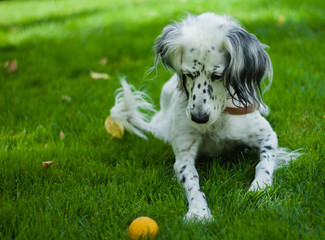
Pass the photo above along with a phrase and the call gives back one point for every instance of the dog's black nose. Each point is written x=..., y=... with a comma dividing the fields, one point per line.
x=200, y=118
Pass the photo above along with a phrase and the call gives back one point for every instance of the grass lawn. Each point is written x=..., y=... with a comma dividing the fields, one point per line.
x=52, y=110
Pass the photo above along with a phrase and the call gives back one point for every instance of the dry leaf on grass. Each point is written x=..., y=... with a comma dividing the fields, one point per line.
x=281, y=20
x=116, y=129
x=96, y=75
x=62, y=135
x=66, y=98
x=14, y=29
x=47, y=164
x=103, y=61
x=11, y=66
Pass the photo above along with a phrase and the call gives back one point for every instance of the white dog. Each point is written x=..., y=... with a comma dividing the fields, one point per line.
x=212, y=104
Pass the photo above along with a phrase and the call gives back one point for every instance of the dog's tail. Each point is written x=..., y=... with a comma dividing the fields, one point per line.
x=132, y=108
x=284, y=156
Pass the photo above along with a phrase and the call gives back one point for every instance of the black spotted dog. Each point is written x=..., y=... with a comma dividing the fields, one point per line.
x=211, y=104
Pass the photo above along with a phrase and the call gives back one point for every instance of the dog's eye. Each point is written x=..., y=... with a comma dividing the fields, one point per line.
x=215, y=77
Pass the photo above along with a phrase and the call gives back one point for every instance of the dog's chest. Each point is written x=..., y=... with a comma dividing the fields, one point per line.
x=217, y=142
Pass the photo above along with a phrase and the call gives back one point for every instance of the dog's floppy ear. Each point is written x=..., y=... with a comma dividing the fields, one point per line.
x=168, y=47
x=248, y=66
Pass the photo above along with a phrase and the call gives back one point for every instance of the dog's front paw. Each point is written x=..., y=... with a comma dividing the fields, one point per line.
x=203, y=214
x=260, y=185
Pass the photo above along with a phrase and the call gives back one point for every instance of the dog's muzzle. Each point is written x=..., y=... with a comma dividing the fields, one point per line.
x=200, y=118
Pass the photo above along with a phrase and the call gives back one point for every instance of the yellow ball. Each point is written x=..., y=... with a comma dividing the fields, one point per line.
x=143, y=227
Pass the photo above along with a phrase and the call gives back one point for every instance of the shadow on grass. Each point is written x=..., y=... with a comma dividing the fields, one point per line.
x=53, y=19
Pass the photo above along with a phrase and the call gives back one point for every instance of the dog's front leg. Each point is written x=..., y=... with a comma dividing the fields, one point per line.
x=268, y=144
x=185, y=149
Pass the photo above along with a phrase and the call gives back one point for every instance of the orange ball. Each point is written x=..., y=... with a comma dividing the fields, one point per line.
x=143, y=227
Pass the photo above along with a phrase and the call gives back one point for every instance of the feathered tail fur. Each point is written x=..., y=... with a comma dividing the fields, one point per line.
x=284, y=156
x=132, y=107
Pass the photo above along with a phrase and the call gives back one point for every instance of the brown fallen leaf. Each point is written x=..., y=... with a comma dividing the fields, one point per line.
x=11, y=66
x=103, y=61
x=62, y=135
x=281, y=20
x=47, y=164
x=115, y=128
x=96, y=75
x=66, y=98
x=14, y=29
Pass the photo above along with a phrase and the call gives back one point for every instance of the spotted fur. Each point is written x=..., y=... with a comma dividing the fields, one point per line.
x=217, y=64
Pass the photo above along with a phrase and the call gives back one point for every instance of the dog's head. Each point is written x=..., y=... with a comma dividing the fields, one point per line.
x=214, y=57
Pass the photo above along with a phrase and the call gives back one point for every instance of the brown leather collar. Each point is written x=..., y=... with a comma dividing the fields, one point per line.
x=239, y=110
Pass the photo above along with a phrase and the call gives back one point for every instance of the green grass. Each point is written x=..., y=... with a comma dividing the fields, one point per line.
x=97, y=187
